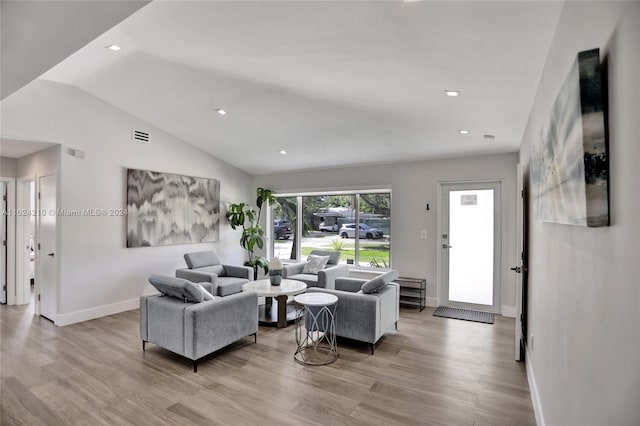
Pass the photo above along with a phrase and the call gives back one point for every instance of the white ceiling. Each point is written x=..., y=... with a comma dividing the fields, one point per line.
x=332, y=83
x=29, y=25
x=18, y=148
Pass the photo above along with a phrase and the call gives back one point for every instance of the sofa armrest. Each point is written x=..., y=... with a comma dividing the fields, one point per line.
x=352, y=285
x=238, y=271
x=144, y=316
x=327, y=276
x=292, y=269
x=357, y=315
x=200, y=277
x=214, y=324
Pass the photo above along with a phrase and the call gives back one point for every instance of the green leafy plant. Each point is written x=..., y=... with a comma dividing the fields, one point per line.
x=337, y=244
x=242, y=215
x=375, y=263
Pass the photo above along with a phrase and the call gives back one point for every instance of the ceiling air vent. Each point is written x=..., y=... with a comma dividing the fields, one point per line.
x=140, y=136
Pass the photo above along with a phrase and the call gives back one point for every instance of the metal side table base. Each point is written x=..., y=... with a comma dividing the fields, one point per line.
x=316, y=329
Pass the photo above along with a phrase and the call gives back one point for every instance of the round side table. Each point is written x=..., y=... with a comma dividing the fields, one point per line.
x=316, y=329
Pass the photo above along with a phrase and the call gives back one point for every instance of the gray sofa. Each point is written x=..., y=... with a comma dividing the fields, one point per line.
x=180, y=320
x=325, y=278
x=205, y=266
x=366, y=310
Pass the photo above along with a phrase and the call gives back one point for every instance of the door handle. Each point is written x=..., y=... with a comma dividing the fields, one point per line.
x=446, y=246
x=517, y=269
x=51, y=254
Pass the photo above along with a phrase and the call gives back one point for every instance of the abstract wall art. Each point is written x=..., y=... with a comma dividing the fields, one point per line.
x=570, y=167
x=166, y=208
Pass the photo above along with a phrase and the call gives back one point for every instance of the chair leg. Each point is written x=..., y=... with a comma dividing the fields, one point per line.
x=144, y=348
x=373, y=348
x=195, y=365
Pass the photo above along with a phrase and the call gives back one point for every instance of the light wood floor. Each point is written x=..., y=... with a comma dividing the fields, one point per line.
x=433, y=371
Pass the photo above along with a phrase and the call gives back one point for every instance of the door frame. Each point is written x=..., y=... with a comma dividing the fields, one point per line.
x=23, y=290
x=11, y=240
x=498, y=261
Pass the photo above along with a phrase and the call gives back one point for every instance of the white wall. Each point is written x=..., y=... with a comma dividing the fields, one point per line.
x=8, y=167
x=584, y=291
x=98, y=274
x=413, y=185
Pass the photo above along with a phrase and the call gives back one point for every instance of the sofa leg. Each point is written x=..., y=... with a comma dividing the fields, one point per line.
x=195, y=365
x=396, y=325
x=144, y=346
x=373, y=348
x=255, y=337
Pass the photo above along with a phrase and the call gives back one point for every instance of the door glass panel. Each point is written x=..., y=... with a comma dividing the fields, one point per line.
x=471, y=237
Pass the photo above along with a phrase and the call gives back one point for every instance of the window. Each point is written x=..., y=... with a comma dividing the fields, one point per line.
x=284, y=234
x=358, y=225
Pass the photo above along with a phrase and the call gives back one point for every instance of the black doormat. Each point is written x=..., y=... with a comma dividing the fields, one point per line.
x=464, y=314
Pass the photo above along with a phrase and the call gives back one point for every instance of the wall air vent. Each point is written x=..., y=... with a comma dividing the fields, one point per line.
x=140, y=136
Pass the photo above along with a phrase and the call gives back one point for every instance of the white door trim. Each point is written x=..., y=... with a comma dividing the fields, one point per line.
x=500, y=239
x=23, y=289
x=11, y=239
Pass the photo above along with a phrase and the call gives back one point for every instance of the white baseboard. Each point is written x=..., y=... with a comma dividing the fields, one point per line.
x=508, y=311
x=431, y=302
x=97, y=312
x=533, y=390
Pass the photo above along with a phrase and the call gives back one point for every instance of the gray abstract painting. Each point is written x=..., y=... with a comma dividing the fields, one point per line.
x=570, y=168
x=165, y=209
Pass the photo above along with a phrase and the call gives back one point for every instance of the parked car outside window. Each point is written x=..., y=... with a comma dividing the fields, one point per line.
x=348, y=230
x=282, y=229
x=328, y=228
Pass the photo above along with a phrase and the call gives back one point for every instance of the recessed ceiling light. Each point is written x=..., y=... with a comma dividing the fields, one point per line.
x=283, y=152
x=452, y=92
x=113, y=47
x=221, y=111
x=464, y=132
x=489, y=137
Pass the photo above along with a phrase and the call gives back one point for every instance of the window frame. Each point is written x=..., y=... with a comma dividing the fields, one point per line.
x=356, y=192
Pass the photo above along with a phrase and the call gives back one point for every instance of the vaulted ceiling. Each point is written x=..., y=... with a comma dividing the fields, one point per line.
x=332, y=83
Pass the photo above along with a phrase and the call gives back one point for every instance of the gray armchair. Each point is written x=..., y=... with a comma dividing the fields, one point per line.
x=205, y=266
x=366, y=310
x=325, y=278
x=180, y=320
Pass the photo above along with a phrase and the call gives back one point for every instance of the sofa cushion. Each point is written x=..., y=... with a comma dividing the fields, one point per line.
x=374, y=285
x=334, y=256
x=200, y=259
x=215, y=269
x=315, y=264
x=176, y=287
x=310, y=280
x=230, y=285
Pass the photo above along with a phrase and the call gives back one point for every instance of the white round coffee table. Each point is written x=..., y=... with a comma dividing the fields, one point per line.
x=276, y=313
x=316, y=329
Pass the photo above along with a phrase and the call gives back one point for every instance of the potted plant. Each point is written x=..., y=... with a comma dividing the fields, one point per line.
x=244, y=216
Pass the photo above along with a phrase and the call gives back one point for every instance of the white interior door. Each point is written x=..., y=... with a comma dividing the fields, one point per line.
x=471, y=245
x=47, y=276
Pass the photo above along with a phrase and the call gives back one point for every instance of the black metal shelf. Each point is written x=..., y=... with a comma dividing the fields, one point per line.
x=413, y=292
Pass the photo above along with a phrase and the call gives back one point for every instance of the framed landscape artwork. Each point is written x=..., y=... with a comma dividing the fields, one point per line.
x=570, y=167
x=166, y=208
